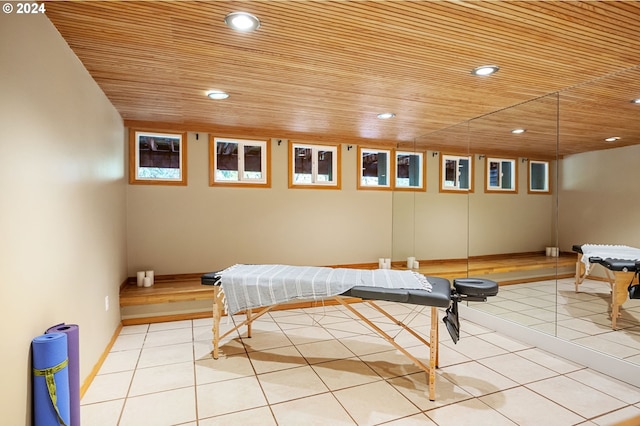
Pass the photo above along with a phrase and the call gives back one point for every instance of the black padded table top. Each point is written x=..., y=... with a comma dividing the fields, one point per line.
x=621, y=265
x=440, y=294
x=210, y=278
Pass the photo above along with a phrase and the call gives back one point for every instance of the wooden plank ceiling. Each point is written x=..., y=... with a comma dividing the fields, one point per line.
x=322, y=71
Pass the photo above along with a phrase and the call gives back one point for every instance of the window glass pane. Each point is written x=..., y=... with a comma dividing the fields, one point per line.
x=450, y=173
x=538, y=176
x=302, y=165
x=383, y=168
x=507, y=175
x=252, y=162
x=159, y=157
x=325, y=166
x=464, y=173
x=226, y=161
x=374, y=168
x=408, y=166
x=494, y=174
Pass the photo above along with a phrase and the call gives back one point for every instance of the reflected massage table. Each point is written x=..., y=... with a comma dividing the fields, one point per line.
x=619, y=260
x=261, y=286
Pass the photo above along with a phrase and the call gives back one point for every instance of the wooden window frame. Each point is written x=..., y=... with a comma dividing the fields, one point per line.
x=336, y=162
x=548, y=177
x=514, y=177
x=241, y=182
x=455, y=190
x=134, y=157
x=390, y=166
x=423, y=171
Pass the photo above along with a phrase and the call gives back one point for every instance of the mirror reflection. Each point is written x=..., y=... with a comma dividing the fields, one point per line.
x=540, y=184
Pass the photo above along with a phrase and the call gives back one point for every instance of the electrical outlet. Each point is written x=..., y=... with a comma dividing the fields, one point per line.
x=106, y=303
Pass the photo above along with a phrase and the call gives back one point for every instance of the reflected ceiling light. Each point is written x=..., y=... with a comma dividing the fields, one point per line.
x=386, y=115
x=485, y=70
x=242, y=21
x=518, y=131
x=612, y=139
x=217, y=94
x=635, y=101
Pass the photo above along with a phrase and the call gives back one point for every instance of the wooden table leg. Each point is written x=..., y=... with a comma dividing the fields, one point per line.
x=581, y=272
x=433, y=353
x=218, y=307
x=619, y=293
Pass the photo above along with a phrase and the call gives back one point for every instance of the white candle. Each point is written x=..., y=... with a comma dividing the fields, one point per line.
x=140, y=278
x=381, y=263
x=416, y=264
x=410, y=261
x=147, y=282
x=149, y=274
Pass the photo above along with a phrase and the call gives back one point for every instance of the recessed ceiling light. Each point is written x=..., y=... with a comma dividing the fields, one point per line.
x=386, y=115
x=217, y=94
x=242, y=21
x=518, y=131
x=635, y=101
x=612, y=139
x=485, y=70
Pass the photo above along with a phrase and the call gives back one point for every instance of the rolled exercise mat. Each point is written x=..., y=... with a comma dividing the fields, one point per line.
x=73, y=352
x=50, y=380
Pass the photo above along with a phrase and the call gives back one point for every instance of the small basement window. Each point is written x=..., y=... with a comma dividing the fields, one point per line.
x=501, y=175
x=456, y=173
x=374, y=166
x=314, y=166
x=538, y=177
x=157, y=158
x=410, y=171
x=239, y=162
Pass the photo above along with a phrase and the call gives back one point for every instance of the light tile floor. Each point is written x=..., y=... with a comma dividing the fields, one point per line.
x=581, y=317
x=320, y=366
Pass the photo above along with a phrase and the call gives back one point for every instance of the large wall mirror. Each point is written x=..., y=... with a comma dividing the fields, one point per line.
x=535, y=194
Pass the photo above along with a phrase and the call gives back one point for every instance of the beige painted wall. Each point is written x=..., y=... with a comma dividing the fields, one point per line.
x=454, y=226
x=199, y=228
x=510, y=223
x=62, y=220
x=599, y=200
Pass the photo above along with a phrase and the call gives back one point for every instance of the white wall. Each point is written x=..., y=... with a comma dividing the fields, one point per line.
x=599, y=199
x=432, y=225
x=62, y=221
x=199, y=228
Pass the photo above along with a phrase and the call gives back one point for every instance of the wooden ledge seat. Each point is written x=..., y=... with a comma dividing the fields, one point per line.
x=165, y=291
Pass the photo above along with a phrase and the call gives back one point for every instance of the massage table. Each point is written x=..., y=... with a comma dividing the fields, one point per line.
x=440, y=295
x=619, y=260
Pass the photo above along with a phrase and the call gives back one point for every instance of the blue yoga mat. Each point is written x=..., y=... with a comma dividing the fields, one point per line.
x=73, y=352
x=50, y=380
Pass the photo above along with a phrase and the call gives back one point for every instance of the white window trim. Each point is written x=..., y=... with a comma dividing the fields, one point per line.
x=456, y=187
x=514, y=175
x=264, y=181
x=315, y=183
x=422, y=173
x=547, y=177
x=390, y=158
x=134, y=158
